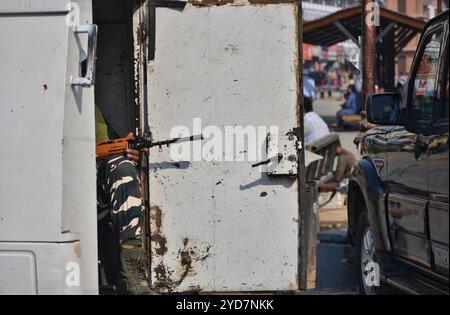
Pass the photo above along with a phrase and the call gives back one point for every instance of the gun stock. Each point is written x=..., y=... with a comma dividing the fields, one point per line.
x=110, y=148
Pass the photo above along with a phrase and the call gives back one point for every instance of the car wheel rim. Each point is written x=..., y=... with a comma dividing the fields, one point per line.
x=367, y=257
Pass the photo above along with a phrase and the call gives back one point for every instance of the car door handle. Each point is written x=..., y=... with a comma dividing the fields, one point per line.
x=89, y=78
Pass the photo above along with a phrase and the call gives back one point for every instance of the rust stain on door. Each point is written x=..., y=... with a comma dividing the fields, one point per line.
x=158, y=240
x=168, y=280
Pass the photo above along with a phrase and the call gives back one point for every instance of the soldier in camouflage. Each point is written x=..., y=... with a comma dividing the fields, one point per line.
x=119, y=200
x=121, y=196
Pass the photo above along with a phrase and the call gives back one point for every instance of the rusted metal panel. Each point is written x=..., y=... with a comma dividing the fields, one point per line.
x=220, y=225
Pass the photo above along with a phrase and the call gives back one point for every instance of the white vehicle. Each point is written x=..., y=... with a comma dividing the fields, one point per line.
x=224, y=225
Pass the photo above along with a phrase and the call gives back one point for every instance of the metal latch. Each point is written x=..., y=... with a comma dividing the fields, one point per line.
x=283, y=154
x=89, y=78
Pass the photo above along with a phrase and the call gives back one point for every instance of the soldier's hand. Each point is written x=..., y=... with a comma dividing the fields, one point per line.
x=133, y=155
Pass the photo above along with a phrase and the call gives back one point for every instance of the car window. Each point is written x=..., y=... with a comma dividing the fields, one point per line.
x=425, y=92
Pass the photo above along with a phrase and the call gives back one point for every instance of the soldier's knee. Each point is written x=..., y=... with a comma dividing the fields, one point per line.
x=123, y=167
x=126, y=168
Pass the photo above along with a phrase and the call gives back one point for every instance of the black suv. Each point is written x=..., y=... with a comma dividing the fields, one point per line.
x=398, y=202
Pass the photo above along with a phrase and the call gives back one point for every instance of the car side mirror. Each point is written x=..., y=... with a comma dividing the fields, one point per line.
x=383, y=109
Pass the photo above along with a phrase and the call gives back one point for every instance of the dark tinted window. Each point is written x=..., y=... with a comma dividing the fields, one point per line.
x=402, y=6
x=425, y=90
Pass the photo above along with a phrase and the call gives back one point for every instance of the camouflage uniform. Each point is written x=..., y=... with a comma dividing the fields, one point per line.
x=118, y=188
x=119, y=199
x=119, y=196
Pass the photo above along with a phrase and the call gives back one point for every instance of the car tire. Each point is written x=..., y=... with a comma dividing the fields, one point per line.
x=368, y=281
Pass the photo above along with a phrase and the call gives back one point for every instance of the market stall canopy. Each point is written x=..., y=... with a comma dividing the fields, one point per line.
x=346, y=24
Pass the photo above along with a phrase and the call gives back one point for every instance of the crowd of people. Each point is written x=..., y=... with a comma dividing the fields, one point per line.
x=332, y=77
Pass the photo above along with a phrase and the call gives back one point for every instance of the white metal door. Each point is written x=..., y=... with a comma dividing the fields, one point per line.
x=47, y=191
x=222, y=225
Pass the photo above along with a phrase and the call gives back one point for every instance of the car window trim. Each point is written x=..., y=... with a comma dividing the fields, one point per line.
x=444, y=73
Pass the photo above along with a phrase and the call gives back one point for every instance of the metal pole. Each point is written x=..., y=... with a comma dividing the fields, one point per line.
x=369, y=38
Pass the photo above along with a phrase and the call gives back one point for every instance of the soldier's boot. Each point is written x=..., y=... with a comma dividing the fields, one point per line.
x=133, y=275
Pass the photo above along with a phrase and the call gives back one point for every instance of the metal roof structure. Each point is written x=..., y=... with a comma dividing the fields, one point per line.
x=346, y=24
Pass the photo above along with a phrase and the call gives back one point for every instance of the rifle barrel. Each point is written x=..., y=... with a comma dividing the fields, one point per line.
x=177, y=140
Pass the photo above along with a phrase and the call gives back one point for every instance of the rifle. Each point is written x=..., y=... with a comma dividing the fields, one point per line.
x=119, y=146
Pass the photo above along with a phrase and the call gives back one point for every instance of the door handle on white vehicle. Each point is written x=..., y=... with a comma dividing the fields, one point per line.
x=89, y=78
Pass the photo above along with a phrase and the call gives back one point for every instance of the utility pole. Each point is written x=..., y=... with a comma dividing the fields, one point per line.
x=370, y=19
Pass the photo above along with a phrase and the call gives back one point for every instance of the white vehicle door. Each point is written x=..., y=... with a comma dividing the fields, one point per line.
x=231, y=72
x=47, y=192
